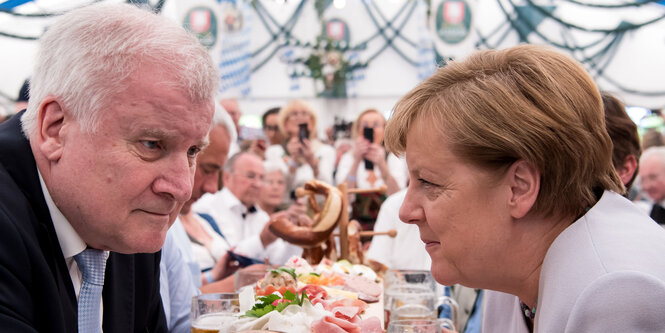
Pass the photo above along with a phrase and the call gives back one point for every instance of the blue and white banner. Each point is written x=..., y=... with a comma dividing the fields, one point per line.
x=234, y=61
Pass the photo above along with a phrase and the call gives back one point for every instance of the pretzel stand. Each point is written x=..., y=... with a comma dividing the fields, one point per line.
x=346, y=239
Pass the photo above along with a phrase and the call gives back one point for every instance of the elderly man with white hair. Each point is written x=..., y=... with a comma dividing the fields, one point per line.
x=96, y=170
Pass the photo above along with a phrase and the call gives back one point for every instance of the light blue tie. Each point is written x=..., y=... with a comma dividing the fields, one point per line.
x=92, y=264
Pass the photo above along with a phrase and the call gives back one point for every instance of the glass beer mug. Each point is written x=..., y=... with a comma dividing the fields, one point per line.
x=210, y=312
x=416, y=302
x=419, y=326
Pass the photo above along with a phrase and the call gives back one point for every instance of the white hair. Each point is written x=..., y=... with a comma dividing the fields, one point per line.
x=88, y=56
x=275, y=165
x=656, y=151
x=222, y=118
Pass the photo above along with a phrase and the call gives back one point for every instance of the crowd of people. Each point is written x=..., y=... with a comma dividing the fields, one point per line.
x=128, y=187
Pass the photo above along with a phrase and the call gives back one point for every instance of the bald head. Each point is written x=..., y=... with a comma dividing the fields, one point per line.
x=243, y=176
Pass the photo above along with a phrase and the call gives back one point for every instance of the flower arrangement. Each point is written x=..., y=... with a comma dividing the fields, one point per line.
x=326, y=63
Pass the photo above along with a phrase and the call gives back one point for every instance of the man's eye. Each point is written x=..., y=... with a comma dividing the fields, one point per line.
x=193, y=151
x=150, y=144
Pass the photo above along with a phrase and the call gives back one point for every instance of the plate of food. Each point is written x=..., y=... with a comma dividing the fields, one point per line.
x=299, y=298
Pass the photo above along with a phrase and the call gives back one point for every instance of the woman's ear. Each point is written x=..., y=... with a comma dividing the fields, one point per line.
x=524, y=180
x=50, y=134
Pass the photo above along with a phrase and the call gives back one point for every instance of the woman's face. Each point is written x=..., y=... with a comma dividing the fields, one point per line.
x=372, y=120
x=460, y=210
x=274, y=188
x=297, y=116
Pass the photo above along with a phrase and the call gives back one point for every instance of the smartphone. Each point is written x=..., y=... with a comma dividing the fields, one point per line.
x=244, y=261
x=368, y=133
x=303, y=132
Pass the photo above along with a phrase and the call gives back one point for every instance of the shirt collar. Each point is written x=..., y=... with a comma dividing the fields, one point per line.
x=234, y=203
x=70, y=241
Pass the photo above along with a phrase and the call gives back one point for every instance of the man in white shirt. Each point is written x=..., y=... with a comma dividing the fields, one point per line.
x=234, y=208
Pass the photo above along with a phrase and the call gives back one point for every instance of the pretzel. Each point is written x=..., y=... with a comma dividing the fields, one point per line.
x=324, y=220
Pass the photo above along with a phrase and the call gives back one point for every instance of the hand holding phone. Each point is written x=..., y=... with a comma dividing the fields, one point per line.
x=368, y=133
x=303, y=132
x=243, y=261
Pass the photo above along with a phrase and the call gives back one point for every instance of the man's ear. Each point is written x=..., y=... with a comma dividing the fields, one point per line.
x=627, y=169
x=226, y=177
x=51, y=120
x=524, y=181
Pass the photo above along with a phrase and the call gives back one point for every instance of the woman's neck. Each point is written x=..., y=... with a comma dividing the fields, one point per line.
x=529, y=255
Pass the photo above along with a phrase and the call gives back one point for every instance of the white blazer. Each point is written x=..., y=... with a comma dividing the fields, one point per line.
x=604, y=273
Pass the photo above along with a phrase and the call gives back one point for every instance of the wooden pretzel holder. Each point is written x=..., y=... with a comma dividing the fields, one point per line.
x=343, y=221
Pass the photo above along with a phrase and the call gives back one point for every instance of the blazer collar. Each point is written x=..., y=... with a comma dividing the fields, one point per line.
x=17, y=158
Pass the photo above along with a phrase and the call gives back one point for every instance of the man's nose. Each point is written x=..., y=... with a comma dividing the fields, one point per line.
x=176, y=180
x=211, y=183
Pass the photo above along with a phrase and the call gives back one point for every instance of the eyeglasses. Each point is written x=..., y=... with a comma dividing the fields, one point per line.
x=298, y=113
x=252, y=177
x=273, y=128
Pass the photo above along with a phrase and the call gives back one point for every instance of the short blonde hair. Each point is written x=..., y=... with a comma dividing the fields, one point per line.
x=297, y=105
x=523, y=103
x=356, y=124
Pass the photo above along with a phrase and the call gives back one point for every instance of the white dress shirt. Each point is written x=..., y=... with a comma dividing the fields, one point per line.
x=324, y=153
x=406, y=250
x=176, y=284
x=396, y=165
x=70, y=242
x=206, y=258
x=242, y=229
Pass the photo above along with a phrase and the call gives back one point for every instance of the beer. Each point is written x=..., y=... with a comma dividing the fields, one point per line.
x=412, y=312
x=212, y=323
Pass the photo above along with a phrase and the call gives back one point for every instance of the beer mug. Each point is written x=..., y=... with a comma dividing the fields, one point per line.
x=247, y=277
x=423, y=278
x=419, y=326
x=416, y=302
x=211, y=312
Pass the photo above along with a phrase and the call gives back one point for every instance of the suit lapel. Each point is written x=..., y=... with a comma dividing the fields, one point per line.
x=17, y=157
x=119, y=293
x=658, y=213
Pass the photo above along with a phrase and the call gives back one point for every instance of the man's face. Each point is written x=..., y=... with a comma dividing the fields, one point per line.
x=209, y=165
x=652, y=173
x=233, y=109
x=271, y=128
x=274, y=189
x=122, y=187
x=246, y=180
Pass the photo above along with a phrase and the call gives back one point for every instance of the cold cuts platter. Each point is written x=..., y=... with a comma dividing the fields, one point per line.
x=299, y=298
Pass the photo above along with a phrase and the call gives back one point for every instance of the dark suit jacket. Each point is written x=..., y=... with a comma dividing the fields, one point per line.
x=36, y=292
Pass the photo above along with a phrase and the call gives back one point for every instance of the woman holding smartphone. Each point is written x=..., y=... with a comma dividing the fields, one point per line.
x=382, y=168
x=306, y=156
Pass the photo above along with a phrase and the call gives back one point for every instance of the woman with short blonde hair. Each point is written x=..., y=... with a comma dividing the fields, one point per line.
x=308, y=158
x=387, y=169
x=513, y=189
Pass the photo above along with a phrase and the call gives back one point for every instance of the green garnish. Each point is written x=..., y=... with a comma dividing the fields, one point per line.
x=290, y=271
x=315, y=274
x=265, y=304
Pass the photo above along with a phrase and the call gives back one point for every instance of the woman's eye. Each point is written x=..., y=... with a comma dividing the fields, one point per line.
x=425, y=183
